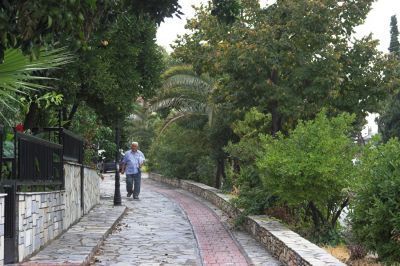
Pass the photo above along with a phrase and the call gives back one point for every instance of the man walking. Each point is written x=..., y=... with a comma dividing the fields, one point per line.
x=131, y=164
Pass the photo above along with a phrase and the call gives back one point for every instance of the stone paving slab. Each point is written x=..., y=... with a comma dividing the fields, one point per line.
x=154, y=231
x=78, y=244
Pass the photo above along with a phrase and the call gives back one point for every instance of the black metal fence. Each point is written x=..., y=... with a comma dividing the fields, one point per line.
x=73, y=146
x=38, y=161
x=33, y=163
x=72, y=143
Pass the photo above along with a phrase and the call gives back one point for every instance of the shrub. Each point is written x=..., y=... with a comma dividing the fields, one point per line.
x=375, y=214
x=178, y=153
x=252, y=196
x=312, y=168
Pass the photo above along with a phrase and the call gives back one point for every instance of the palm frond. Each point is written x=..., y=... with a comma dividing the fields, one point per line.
x=174, y=118
x=17, y=72
x=186, y=93
x=178, y=70
x=186, y=81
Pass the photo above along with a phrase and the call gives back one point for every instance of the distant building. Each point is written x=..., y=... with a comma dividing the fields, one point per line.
x=371, y=128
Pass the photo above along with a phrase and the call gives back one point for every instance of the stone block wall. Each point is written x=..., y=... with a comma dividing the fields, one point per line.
x=40, y=219
x=73, y=210
x=91, y=189
x=42, y=216
x=284, y=244
x=2, y=202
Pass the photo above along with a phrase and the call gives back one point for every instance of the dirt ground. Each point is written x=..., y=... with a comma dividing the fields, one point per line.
x=341, y=253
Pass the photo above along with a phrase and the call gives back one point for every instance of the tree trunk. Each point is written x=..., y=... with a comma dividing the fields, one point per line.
x=64, y=114
x=31, y=118
x=360, y=139
x=220, y=173
x=71, y=115
x=273, y=106
x=316, y=215
x=276, y=119
x=236, y=170
x=337, y=214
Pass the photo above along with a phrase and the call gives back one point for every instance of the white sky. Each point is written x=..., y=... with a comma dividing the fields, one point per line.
x=377, y=22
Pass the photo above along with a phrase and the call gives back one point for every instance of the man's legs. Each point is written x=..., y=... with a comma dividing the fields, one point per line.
x=136, y=189
x=129, y=184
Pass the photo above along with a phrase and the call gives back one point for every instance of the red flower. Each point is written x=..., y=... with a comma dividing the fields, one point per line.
x=19, y=127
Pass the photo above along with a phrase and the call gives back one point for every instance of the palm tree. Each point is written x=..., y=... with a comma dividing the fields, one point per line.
x=18, y=75
x=188, y=95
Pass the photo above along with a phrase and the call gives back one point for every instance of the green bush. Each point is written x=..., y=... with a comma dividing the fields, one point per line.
x=375, y=214
x=206, y=170
x=253, y=196
x=179, y=153
x=312, y=169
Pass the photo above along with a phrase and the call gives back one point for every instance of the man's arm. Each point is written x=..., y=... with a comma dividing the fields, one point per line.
x=123, y=165
x=142, y=159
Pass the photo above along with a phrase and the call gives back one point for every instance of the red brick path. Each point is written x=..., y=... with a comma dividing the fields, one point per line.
x=216, y=245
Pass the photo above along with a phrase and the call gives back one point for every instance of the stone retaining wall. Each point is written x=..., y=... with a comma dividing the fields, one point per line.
x=42, y=216
x=40, y=219
x=91, y=185
x=2, y=201
x=73, y=210
x=285, y=245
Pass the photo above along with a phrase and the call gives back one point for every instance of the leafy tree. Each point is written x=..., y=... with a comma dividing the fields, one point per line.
x=84, y=26
x=189, y=97
x=97, y=136
x=388, y=121
x=375, y=212
x=252, y=195
x=179, y=152
x=312, y=168
x=290, y=59
x=30, y=24
x=156, y=9
x=130, y=66
x=226, y=10
x=394, y=37
x=123, y=63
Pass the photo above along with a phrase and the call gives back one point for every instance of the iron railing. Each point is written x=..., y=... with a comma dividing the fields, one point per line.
x=38, y=161
x=72, y=144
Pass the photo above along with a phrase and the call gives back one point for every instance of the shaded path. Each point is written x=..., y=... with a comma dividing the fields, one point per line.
x=168, y=226
x=154, y=231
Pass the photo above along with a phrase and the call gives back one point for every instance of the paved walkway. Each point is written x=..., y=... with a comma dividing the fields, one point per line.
x=167, y=226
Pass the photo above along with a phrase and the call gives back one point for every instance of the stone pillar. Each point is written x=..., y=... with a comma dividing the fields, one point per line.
x=2, y=201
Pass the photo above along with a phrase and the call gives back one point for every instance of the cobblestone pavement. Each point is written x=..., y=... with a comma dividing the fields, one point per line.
x=154, y=231
x=78, y=244
x=168, y=226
